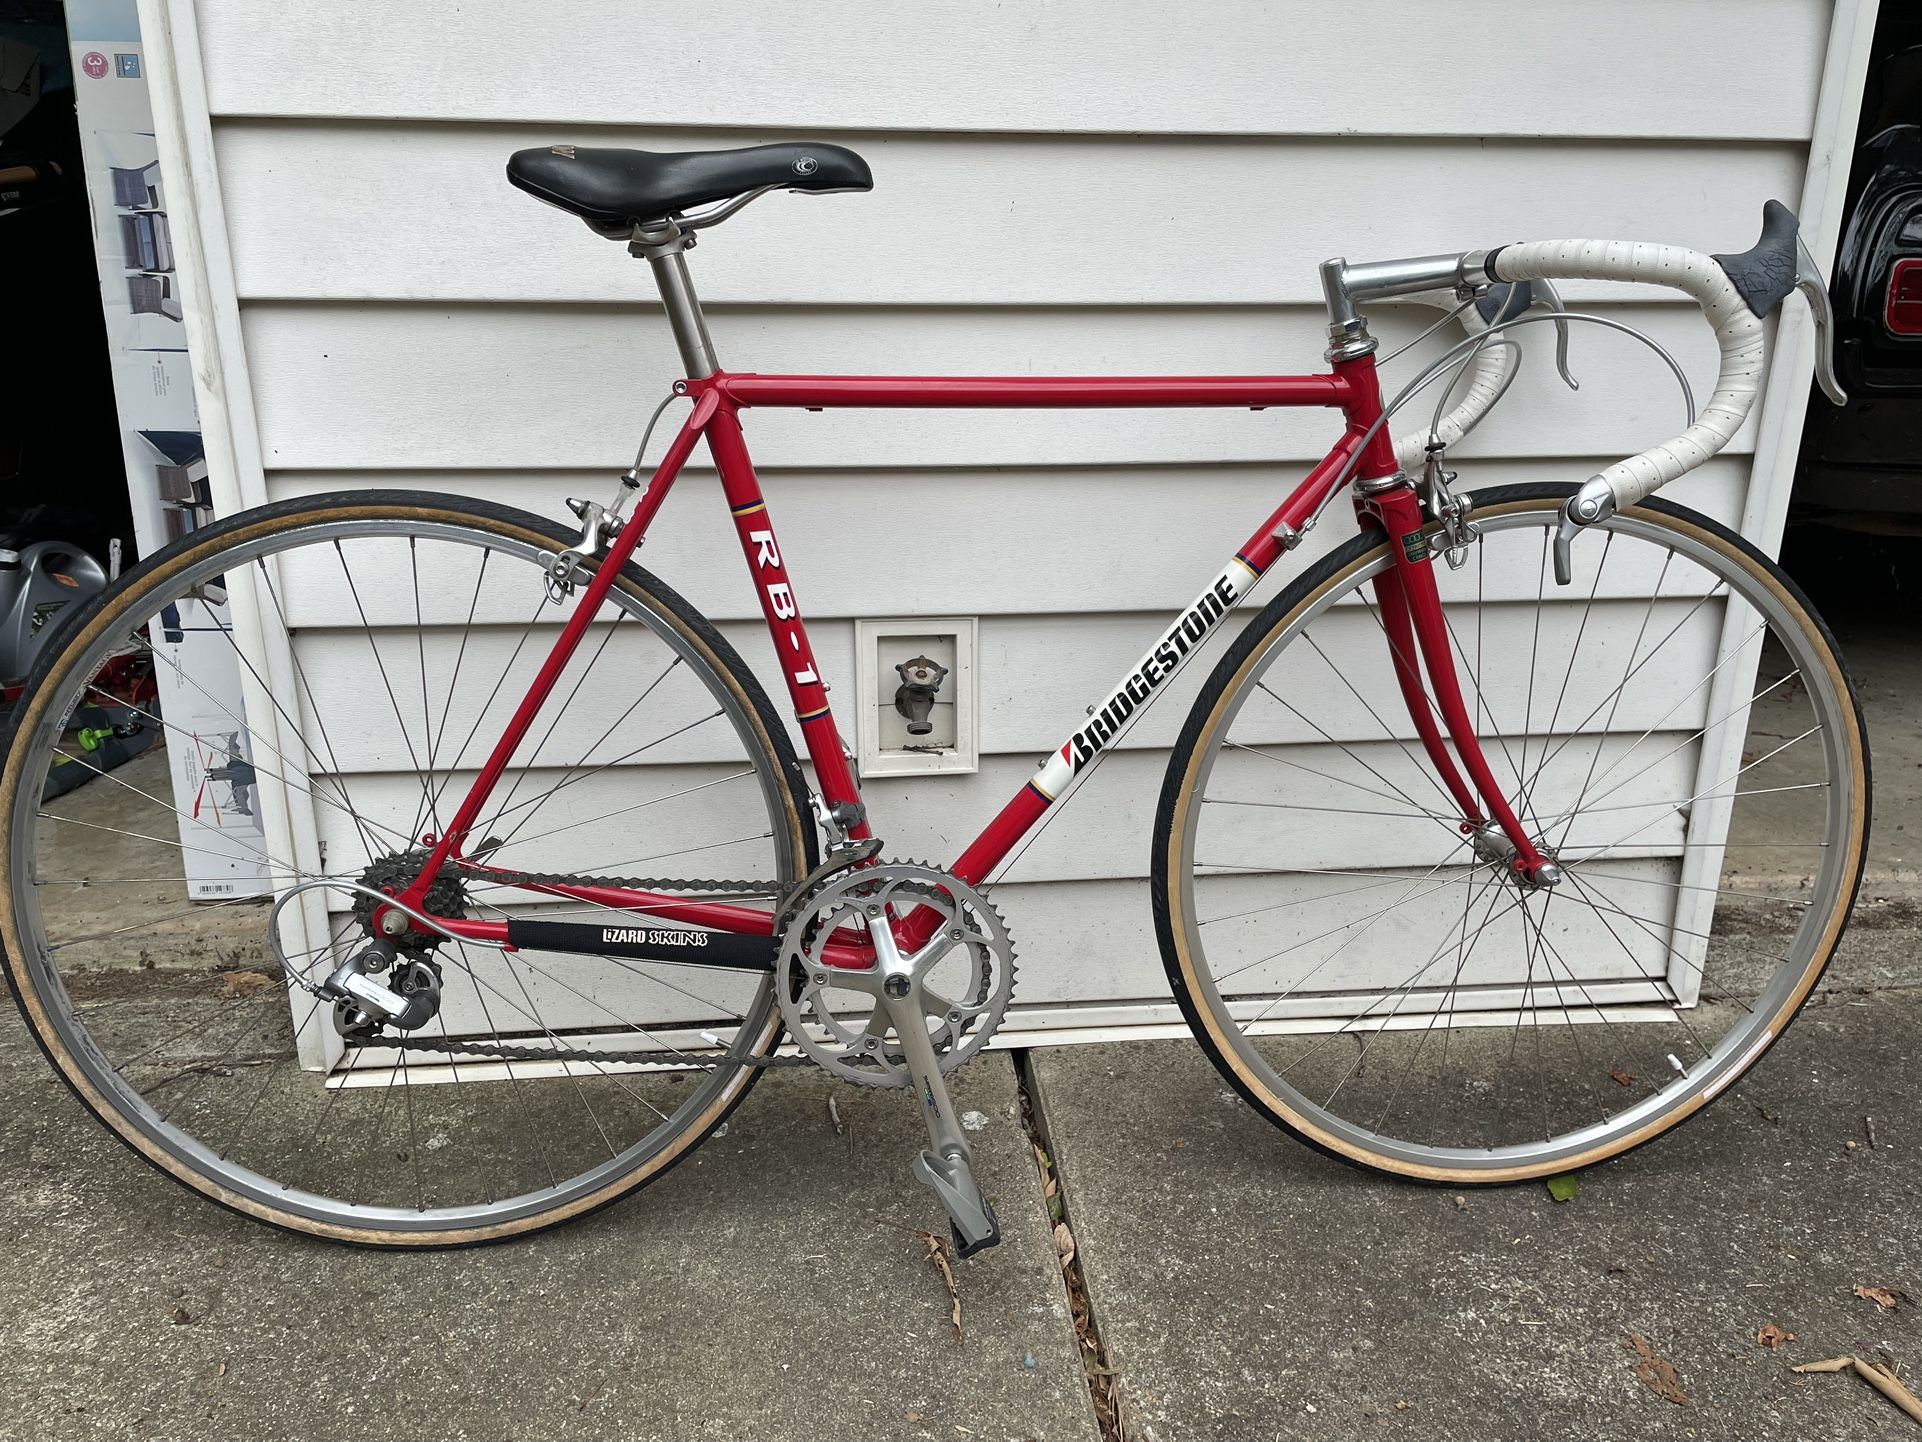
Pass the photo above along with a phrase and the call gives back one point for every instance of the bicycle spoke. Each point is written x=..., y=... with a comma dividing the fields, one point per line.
x=318, y=1111
x=1471, y=1018
x=1386, y=729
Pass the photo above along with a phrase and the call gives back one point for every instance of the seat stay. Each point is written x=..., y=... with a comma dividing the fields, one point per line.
x=448, y=845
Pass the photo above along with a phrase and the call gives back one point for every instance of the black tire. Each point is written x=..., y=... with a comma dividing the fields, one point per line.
x=1176, y=813
x=512, y=526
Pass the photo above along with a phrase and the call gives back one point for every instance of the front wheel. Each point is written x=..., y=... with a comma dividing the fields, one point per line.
x=382, y=640
x=1675, y=729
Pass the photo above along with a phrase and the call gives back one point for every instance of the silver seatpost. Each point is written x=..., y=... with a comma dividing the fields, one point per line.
x=662, y=244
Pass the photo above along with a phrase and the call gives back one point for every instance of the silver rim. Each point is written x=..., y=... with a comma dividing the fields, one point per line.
x=410, y=1111
x=1355, y=1036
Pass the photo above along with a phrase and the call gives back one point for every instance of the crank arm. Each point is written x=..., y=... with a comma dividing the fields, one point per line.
x=948, y=1166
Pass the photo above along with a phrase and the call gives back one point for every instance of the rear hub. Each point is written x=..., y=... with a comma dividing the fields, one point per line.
x=392, y=875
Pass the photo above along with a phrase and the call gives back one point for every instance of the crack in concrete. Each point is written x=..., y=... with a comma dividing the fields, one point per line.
x=1097, y=1363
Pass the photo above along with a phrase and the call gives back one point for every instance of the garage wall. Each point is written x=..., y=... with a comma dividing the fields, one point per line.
x=1096, y=186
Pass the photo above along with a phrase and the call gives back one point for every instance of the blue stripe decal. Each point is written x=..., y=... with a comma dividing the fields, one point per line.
x=813, y=716
x=1042, y=794
x=1249, y=564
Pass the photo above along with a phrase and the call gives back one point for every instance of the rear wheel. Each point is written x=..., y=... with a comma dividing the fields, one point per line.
x=400, y=631
x=1675, y=728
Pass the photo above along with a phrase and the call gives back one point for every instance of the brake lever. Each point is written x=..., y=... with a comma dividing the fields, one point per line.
x=1815, y=290
x=1549, y=297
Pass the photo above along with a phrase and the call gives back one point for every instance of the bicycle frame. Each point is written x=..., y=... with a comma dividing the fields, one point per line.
x=1409, y=603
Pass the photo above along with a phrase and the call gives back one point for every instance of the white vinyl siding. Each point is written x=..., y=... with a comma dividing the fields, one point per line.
x=1105, y=186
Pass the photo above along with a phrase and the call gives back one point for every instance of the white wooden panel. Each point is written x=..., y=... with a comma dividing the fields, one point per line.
x=627, y=821
x=1479, y=67
x=1042, y=221
x=985, y=558
x=507, y=387
x=1079, y=187
x=1037, y=674
x=1275, y=817
x=1079, y=940
x=1269, y=815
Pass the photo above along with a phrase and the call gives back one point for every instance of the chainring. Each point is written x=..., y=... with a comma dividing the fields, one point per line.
x=836, y=1015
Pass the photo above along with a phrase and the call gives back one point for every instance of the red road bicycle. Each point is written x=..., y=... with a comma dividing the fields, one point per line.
x=1506, y=834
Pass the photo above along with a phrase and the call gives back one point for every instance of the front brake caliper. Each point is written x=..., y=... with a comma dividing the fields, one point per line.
x=1442, y=504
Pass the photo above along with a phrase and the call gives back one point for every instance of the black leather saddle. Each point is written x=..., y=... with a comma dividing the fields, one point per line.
x=615, y=190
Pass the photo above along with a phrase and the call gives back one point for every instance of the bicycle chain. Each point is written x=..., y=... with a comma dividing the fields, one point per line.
x=507, y=1051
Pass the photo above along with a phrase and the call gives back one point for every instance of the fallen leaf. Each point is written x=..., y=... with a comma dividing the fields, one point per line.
x=220, y=1369
x=914, y=1416
x=1884, y=1297
x=1622, y=1078
x=1401, y=1406
x=938, y=1259
x=1833, y=1364
x=177, y=1314
x=1063, y=1243
x=1884, y=1380
x=244, y=983
x=1461, y=1202
x=1772, y=1337
x=1656, y=1372
x=1562, y=1188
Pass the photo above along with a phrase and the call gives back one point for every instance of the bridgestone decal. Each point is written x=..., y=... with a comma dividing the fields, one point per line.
x=1182, y=638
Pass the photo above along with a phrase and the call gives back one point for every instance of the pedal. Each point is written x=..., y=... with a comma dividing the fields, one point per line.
x=970, y=1215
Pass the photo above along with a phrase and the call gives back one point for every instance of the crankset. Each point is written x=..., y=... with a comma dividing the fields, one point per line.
x=909, y=1016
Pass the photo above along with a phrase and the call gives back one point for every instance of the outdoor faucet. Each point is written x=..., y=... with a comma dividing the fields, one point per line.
x=921, y=678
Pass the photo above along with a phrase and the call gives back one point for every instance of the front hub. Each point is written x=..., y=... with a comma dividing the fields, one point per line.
x=1493, y=847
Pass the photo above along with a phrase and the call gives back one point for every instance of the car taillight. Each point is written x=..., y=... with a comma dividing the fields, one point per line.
x=1903, y=312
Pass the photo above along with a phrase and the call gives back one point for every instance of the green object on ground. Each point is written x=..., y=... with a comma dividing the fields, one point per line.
x=1562, y=1188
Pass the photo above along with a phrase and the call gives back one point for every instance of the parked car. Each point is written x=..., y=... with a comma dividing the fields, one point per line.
x=1862, y=463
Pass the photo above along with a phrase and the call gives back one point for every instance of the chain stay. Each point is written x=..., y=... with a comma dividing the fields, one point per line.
x=734, y=889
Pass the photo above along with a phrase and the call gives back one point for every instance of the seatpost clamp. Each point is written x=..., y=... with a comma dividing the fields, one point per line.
x=658, y=239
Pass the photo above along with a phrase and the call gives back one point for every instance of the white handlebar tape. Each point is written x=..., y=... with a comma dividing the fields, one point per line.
x=1738, y=331
x=1484, y=379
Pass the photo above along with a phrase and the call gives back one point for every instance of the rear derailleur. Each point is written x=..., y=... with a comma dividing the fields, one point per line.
x=378, y=988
